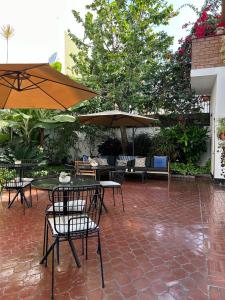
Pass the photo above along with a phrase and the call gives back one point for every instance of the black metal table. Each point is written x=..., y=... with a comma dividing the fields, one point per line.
x=49, y=183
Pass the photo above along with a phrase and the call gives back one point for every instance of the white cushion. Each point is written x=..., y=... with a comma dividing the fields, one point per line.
x=140, y=162
x=73, y=205
x=26, y=179
x=109, y=183
x=81, y=223
x=102, y=161
x=121, y=162
x=16, y=184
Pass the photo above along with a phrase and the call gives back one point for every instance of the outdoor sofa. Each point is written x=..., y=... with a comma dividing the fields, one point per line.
x=141, y=166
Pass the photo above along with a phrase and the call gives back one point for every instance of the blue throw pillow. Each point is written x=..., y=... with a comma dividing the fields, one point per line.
x=85, y=158
x=160, y=161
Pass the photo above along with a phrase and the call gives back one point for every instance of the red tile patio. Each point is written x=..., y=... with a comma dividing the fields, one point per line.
x=169, y=244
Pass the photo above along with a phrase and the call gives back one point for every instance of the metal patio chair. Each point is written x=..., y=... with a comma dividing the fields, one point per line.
x=115, y=182
x=72, y=220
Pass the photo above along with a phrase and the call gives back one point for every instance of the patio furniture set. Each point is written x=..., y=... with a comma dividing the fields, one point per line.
x=76, y=206
x=131, y=165
x=74, y=211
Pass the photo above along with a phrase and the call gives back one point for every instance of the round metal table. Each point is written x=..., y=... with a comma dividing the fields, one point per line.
x=49, y=183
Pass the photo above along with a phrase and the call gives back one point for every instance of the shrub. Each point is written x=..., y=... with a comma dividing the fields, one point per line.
x=142, y=144
x=189, y=169
x=182, y=143
x=112, y=146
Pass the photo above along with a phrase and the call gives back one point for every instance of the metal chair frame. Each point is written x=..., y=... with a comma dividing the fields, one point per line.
x=70, y=224
x=117, y=177
x=15, y=184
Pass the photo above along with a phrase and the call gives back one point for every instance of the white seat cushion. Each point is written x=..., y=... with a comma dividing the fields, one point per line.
x=16, y=184
x=26, y=179
x=73, y=205
x=79, y=223
x=109, y=184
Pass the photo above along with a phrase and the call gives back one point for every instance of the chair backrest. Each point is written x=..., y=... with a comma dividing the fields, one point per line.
x=82, y=207
x=29, y=161
x=9, y=178
x=84, y=169
x=117, y=176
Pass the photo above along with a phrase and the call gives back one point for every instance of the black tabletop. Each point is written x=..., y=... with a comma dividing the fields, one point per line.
x=88, y=167
x=18, y=166
x=50, y=183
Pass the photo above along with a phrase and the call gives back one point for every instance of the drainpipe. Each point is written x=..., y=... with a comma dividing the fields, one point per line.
x=223, y=11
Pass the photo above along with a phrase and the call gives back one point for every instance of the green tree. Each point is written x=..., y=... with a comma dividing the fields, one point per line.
x=119, y=47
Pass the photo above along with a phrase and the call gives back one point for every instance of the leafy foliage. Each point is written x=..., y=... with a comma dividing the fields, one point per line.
x=5, y=175
x=190, y=169
x=58, y=144
x=120, y=48
x=182, y=143
x=142, y=144
x=110, y=147
x=18, y=151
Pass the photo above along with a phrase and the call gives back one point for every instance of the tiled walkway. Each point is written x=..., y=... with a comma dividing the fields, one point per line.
x=169, y=244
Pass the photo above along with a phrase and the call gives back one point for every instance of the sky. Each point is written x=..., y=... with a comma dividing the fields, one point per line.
x=39, y=26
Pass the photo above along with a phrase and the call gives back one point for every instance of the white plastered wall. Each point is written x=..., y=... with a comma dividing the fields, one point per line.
x=211, y=81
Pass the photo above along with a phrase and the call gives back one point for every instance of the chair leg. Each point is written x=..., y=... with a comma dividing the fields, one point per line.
x=74, y=253
x=121, y=193
x=82, y=241
x=103, y=204
x=57, y=249
x=46, y=245
x=45, y=257
x=30, y=189
x=53, y=269
x=114, y=202
x=10, y=202
x=45, y=229
x=36, y=194
x=100, y=256
x=86, y=246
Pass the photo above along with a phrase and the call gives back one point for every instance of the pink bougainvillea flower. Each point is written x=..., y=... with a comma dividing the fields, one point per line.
x=221, y=24
x=181, y=51
x=180, y=41
x=200, y=31
x=204, y=16
x=218, y=16
x=188, y=38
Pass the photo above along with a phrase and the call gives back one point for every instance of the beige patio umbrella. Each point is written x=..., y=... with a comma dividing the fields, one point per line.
x=39, y=86
x=115, y=119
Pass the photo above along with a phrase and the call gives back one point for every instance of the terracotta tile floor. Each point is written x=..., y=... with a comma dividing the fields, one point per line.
x=169, y=244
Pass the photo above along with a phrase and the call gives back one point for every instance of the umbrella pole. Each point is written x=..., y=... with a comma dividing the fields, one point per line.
x=133, y=141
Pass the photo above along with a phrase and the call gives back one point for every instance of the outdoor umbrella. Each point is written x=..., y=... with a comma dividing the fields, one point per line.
x=116, y=119
x=39, y=86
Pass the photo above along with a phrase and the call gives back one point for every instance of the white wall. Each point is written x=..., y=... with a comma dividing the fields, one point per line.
x=219, y=113
x=215, y=79
x=212, y=125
